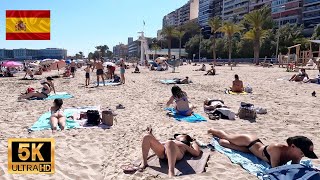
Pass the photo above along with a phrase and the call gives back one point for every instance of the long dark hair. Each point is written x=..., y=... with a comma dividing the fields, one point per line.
x=177, y=92
x=58, y=103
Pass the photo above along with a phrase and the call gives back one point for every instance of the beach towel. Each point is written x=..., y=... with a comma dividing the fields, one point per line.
x=192, y=119
x=293, y=171
x=168, y=81
x=43, y=123
x=235, y=93
x=186, y=166
x=59, y=95
x=247, y=161
x=108, y=83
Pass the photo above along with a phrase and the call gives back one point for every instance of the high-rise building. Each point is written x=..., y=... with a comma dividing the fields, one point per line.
x=182, y=15
x=287, y=11
x=130, y=40
x=6, y=54
x=205, y=13
x=217, y=8
x=257, y=4
x=235, y=9
x=120, y=51
x=311, y=13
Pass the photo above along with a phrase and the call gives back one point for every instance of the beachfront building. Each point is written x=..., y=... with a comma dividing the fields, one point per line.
x=205, y=13
x=34, y=54
x=134, y=49
x=53, y=53
x=257, y=4
x=235, y=9
x=26, y=54
x=287, y=11
x=310, y=15
x=120, y=51
x=6, y=54
x=180, y=16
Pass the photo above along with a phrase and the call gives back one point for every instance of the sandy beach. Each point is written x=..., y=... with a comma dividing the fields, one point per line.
x=98, y=154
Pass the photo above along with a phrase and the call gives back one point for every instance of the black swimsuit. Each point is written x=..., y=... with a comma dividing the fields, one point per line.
x=265, y=152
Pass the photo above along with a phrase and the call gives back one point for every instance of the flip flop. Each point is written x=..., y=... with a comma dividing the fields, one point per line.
x=131, y=168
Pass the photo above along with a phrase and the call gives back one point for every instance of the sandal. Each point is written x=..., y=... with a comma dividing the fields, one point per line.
x=131, y=168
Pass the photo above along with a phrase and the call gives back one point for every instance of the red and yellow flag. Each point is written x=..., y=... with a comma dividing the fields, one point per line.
x=28, y=25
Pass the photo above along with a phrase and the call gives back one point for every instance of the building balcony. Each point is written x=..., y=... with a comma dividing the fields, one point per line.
x=310, y=2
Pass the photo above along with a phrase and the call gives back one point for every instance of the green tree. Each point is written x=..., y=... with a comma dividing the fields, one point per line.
x=169, y=32
x=316, y=33
x=179, y=35
x=230, y=29
x=215, y=24
x=102, y=49
x=155, y=47
x=257, y=20
x=288, y=35
x=81, y=54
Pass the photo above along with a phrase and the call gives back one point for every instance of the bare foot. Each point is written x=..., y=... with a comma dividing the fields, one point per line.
x=171, y=174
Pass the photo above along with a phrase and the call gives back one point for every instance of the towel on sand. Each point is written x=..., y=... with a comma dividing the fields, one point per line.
x=235, y=93
x=168, y=81
x=187, y=165
x=43, y=123
x=61, y=95
x=108, y=83
x=293, y=171
x=192, y=119
x=248, y=161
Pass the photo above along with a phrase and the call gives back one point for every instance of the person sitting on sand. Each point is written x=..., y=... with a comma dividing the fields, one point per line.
x=136, y=70
x=211, y=71
x=237, y=85
x=315, y=80
x=203, y=68
x=57, y=117
x=182, y=81
x=300, y=76
x=45, y=91
x=182, y=105
x=275, y=154
x=28, y=72
x=51, y=84
x=171, y=150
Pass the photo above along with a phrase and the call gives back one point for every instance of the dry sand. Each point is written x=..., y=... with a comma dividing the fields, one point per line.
x=98, y=153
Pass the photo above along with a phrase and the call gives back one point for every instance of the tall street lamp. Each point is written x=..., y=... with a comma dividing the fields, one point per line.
x=200, y=43
x=279, y=24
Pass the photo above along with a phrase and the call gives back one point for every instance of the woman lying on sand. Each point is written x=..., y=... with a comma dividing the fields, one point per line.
x=181, y=99
x=57, y=116
x=275, y=154
x=182, y=81
x=45, y=91
x=299, y=77
x=172, y=150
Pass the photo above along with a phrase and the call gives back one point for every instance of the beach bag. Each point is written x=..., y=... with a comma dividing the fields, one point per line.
x=93, y=117
x=247, y=111
x=248, y=89
x=108, y=116
x=116, y=79
x=294, y=171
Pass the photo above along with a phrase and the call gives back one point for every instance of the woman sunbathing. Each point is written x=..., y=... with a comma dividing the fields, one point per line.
x=181, y=99
x=275, y=154
x=300, y=77
x=182, y=81
x=57, y=116
x=51, y=84
x=172, y=150
x=45, y=91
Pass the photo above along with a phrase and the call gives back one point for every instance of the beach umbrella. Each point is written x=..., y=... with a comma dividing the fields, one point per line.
x=109, y=64
x=10, y=64
x=33, y=64
x=160, y=60
x=153, y=63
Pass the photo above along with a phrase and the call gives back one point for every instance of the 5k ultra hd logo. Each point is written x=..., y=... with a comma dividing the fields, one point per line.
x=31, y=156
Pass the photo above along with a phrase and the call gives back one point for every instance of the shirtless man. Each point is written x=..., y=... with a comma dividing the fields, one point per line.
x=99, y=66
x=73, y=67
x=237, y=85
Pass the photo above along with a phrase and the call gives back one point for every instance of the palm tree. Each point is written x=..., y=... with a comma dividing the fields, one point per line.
x=155, y=47
x=229, y=29
x=180, y=35
x=215, y=24
x=102, y=49
x=257, y=20
x=169, y=32
x=81, y=54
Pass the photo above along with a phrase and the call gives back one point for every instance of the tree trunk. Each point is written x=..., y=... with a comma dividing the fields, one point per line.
x=169, y=48
x=214, y=50
x=230, y=50
x=180, y=48
x=256, y=50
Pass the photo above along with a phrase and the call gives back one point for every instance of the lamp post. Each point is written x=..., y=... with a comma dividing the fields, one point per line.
x=200, y=44
x=278, y=38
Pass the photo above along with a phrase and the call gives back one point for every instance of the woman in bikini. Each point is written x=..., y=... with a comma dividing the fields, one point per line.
x=180, y=97
x=275, y=154
x=172, y=150
x=57, y=116
x=45, y=91
x=51, y=84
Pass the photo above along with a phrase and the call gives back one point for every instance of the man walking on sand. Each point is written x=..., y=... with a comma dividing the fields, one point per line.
x=99, y=66
x=73, y=68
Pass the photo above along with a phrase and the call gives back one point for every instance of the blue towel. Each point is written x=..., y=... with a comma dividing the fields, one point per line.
x=168, y=81
x=248, y=161
x=192, y=119
x=43, y=123
x=59, y=95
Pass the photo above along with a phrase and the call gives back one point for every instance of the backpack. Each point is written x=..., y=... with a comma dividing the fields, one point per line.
x=293, y=171
x=93, y=117
x=247, y=111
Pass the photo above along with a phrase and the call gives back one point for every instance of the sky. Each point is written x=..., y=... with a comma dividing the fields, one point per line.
x=80, y=25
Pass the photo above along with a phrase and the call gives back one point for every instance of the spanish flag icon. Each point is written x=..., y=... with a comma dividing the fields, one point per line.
x=28, y=25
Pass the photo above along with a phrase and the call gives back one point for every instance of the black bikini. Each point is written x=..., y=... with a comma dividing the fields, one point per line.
x=265, y=152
